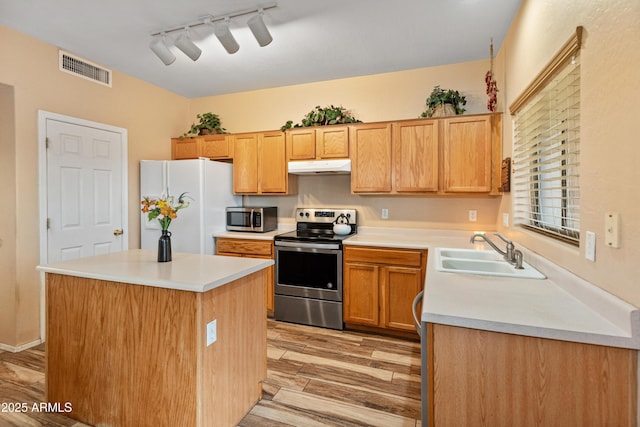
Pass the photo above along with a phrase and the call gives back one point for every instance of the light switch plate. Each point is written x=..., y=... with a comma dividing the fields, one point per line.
x=590, y=249
x=212, y=332
x=505, y=219
x=473, y=215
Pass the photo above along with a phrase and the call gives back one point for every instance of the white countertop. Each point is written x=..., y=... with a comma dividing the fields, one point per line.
x=562, y=307
x=269, y=235
x=186, y=272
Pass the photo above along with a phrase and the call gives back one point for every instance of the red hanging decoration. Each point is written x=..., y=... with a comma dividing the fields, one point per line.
x=492, y=86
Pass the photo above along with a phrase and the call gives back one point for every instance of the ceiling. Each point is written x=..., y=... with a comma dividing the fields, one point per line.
x=312, y=40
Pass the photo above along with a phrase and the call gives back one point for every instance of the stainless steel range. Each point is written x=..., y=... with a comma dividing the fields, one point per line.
x=308, y=285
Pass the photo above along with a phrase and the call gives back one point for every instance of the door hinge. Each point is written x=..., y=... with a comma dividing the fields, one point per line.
x=48, y=223
x=46, y=142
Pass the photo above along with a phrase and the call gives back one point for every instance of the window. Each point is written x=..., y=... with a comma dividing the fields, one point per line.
x=546, y=149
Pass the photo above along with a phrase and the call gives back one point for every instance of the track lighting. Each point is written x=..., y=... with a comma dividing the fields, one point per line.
x=226, y=38
x=189, y=48
x=259, y=29
x=221, y=29
x=159, y=47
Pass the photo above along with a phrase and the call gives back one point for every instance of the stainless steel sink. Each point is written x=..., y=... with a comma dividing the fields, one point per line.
x=487, y=263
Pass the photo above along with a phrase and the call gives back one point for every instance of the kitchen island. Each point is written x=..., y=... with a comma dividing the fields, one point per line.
x=131, y=341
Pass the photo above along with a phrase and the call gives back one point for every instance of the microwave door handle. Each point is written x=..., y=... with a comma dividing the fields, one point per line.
x=251, y=219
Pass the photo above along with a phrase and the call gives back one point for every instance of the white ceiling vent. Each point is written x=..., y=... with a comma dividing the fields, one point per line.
x=82, y=68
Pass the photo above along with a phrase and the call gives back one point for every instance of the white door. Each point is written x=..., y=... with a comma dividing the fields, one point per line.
x=84, y=197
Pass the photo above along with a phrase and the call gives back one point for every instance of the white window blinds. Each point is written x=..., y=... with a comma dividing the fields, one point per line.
x=546, y=168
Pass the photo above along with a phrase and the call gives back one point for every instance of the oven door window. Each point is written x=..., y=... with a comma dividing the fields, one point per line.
x=308, y=269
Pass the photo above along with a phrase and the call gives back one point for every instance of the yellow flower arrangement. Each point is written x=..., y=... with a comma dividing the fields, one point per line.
x=163, y=209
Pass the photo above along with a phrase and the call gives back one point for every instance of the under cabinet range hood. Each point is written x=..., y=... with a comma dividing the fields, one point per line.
x=315, y=167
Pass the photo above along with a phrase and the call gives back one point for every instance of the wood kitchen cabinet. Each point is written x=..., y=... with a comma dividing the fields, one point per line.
x=488, y=378
x=454, y=155
x=252, y=249
x=415, y=156
x=370, y=152
x=380, y=285
x=311, y=143
x=471, y=154
x=260, y=165
x=217, y=147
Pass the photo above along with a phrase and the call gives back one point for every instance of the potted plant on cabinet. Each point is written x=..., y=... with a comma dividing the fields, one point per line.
x=444, y=102
x=209, y=124
x=329, y=115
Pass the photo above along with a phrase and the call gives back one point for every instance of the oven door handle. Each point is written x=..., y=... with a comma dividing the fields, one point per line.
x=304, y=245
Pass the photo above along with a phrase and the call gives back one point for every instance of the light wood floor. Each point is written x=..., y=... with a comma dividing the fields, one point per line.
x=316, y=377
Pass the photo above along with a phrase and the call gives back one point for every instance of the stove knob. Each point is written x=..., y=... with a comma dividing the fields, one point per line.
x=301, y=214
x=306, y=214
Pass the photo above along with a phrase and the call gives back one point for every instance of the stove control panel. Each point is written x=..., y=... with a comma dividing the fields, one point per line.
x=325, y=215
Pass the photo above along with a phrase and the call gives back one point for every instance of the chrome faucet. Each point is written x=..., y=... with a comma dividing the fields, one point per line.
x=511, y=254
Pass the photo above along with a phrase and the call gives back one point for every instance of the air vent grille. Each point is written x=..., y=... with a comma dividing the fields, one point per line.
x=82, y=68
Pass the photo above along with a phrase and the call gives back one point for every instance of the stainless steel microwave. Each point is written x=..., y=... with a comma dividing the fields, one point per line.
x=256, y=219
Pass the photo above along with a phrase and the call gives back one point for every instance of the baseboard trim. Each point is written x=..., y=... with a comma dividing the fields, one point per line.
x=17, y=349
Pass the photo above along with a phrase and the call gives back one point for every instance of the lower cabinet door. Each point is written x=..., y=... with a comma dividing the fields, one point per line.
x=399, y=286
x=361, y=299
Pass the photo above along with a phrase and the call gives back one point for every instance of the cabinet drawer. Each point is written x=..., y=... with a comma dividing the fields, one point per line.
x=244, y=247
x=399, y=257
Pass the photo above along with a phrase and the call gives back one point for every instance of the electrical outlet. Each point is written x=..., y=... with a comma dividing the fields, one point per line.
x=385, y=213
x=473, y=215
x=505, y=219
x=212, y=332
x=590, y=249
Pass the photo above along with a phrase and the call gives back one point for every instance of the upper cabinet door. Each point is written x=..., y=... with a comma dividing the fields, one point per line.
x=467, y=154
x=370, y=148
x=332, y=142
x=245, y=163
x=415, y=156
x=272, y=163
x=301, y=144
x=217, y=146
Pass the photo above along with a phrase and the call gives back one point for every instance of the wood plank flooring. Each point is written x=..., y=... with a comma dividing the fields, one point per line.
x=316, y=377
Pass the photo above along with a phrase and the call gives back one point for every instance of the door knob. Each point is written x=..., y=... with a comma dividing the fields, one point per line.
x=118, y=232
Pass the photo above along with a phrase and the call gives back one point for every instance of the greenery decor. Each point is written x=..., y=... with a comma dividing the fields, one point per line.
x=209, y=123
x=439, y=97
x=163, y=209
x=323, y=116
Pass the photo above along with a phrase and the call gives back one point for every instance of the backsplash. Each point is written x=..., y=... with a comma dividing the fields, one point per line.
x=404, y=211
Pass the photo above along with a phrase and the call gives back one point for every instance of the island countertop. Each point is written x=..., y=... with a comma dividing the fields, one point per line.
x=186, y=272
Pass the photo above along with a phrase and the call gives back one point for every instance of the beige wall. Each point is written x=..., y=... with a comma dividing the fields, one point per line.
x=610, y=147
x=8, y=222
x=150, y=114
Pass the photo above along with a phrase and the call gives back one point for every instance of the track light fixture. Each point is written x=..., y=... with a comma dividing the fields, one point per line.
x=159, y=47
x=226, y=38
x=256, y=24
x=259, y=29
x=189, y=48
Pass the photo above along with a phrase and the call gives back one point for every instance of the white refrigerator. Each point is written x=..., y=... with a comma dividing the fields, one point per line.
x=209, y=185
